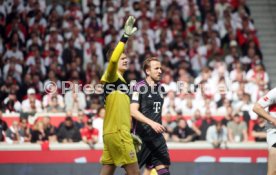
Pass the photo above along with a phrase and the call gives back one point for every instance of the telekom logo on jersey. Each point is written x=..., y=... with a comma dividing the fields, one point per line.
x=156, y=107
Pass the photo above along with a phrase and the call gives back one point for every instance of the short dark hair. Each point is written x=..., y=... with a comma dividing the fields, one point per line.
x=180, y=119
x=109, y=52
x=89, y=121
x=146, y=63
x=69, y=118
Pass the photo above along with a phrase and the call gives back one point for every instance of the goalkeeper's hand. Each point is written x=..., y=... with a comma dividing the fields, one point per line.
x=129, y=28
x=137, y=142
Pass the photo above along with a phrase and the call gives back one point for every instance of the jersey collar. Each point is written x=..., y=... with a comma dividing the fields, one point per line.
x=121, y=77
x=156, y=84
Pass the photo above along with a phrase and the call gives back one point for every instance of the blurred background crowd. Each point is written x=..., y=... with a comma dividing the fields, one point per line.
x=212, y=44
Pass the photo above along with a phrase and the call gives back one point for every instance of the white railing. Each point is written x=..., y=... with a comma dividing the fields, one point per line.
x=171, y=145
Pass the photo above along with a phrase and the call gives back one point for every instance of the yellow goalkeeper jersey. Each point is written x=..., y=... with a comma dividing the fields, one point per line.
x=117, y=102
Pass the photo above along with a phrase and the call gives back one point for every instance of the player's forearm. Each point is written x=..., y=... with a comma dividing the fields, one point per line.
x=140, y=117
x=259, y=110
x=118, y=51
x=114, y=59
x=113, y=62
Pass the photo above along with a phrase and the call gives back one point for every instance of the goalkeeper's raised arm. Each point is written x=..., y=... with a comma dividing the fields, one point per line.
x=114, y=65
x=119, y=149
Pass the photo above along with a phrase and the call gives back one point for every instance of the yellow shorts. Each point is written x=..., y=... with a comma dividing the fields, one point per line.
x=118, y=149
x=153, y=172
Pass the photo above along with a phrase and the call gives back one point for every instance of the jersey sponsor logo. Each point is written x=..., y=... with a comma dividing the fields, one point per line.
x=266, y=98
x=135, y=96
x=156, y=107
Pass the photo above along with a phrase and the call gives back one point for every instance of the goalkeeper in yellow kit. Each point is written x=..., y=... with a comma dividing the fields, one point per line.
x=118, y=149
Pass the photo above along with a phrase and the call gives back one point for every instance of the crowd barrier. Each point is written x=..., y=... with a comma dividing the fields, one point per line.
x=57, y=118
x=179, y=152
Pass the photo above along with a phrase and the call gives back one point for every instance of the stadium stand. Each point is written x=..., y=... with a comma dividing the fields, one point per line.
x=211, y=47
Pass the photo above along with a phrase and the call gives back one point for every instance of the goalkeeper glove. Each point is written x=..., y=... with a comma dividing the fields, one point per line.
x=129, y=28
x=137, y=142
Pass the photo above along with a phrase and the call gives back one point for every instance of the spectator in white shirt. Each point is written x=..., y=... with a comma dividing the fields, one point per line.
x=54, y=35
x=233, y=56
x=53, y=57
x=31, y=104
x=13, y=52
x=258, y=75
x=11, y=104
x=48, y=98
x=217, y=135
x=237, y=74
x=52, y=78
x=169, y=106
x=34, y=40
x=198, y=57
x=74, y=12
x=168, y=83
x=74, y=99
x=90, y=50
x=246, y=107
x=98, y=123
x=110, y=19
x=39, y=19
x=13, y=69
x=13, y=134
x=33, y=56
x=189, y=107
x=220, y=7
x=223, y=109
x=54, y=5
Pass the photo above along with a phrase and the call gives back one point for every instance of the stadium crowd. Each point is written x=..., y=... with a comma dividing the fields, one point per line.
x=209, y=45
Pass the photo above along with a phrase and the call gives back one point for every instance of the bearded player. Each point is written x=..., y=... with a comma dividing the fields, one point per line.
x=146, y=104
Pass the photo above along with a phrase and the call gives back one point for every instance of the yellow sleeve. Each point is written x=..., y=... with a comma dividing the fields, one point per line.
x=110, y=74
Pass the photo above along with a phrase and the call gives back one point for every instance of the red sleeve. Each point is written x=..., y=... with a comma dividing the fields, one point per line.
x=23, y=30
x=241, y=39
x=234, y=3
x=82, y=131
x=256, y=40
x=198, y=123
x=8, y=29
x=153, y=24
x=96, y=132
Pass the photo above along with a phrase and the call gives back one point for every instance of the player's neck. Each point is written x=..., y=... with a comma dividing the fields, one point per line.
x=150, y=81
x=121, y=72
